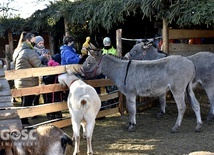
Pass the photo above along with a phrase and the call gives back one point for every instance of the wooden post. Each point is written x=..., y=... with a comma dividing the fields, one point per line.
x=10, y=41
x=122, y=103
x=165, y=34
x=119, y=41
x=7, y=56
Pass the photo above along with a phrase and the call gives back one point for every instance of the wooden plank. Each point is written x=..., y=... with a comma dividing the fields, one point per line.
x=151, y=102
x=35, y=72
x=54, y=88
x=107, y=112
x=37, y=90
x=188, y=34
x=67, y=121
x=41, y=109
x=53, y=107
x=106, y=97
x=99, y=82
x=8, y=114
x=63, y=123
x=189, y=49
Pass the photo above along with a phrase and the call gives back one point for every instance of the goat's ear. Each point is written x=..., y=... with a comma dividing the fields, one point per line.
x=61, y=82
x=66, y=140
x=68, y=70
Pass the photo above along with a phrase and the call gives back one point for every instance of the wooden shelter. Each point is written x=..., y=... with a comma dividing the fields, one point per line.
x=9, y=118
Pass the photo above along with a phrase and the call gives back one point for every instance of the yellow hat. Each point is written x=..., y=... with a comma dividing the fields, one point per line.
x=88, y=38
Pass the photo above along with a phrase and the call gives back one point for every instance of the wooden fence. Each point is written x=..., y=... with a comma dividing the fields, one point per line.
x=186, y=49
x=24, y=112
x=31, y=111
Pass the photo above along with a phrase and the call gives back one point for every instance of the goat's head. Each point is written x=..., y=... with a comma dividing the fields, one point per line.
x=62, y=79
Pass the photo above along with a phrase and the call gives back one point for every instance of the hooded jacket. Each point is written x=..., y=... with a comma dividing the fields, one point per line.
x=68, y=55
x=25, y=57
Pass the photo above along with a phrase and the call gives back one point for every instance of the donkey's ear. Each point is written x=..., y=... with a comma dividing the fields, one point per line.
x=98, y=52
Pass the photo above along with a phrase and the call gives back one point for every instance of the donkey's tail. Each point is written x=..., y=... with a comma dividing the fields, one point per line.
x=195, y=106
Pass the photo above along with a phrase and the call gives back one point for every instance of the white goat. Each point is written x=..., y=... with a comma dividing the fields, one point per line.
x=46, y=140
x=84, y=105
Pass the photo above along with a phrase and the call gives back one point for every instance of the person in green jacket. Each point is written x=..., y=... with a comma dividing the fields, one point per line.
x=108, y=48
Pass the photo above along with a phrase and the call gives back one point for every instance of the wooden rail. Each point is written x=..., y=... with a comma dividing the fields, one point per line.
x=41, y=109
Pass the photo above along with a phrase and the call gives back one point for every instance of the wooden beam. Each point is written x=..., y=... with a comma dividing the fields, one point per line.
x=189, y=49
x=41, y=109
x=42, y=89
x=99, y=82
x=41, y=71
x=188, y=34
x=106, y=97
x=165, y=34
x=106, y=112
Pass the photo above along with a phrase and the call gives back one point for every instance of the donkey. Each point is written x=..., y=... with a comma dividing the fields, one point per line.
x=84, y=105
x=47, y=140
x=148, y=78
x=204, y=65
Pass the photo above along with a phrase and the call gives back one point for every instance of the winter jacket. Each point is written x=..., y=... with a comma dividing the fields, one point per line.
x=68, y=55
x=40, y=52
x=26, y=57
x=109, y=50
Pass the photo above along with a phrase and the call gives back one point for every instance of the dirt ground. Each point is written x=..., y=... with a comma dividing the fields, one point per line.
x=152, y=136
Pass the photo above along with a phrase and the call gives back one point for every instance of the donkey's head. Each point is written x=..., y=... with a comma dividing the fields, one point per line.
x=144, y=51
x=91, y=67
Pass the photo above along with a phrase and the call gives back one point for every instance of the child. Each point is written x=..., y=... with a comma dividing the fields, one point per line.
x=54, y=96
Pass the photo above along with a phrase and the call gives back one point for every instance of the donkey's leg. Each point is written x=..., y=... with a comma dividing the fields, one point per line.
x=162, y=100
x=131, y=107
x=76, y=134
x=180, y=101
x=195, y=106
x=210, y=94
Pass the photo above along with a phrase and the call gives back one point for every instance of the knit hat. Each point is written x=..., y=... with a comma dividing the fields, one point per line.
x=38, y=39
x=53, y=63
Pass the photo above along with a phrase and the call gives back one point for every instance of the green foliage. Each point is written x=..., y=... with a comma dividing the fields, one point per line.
x=196, y=13
x=15, y=25
x=86, y=15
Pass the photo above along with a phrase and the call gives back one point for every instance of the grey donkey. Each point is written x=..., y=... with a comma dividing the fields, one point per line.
x=148, y=78
x=204, y=65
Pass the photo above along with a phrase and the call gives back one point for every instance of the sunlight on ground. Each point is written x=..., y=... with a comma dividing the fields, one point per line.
x=133, y=144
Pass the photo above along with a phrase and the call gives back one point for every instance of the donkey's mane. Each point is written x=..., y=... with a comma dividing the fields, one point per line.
x=118, y=57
